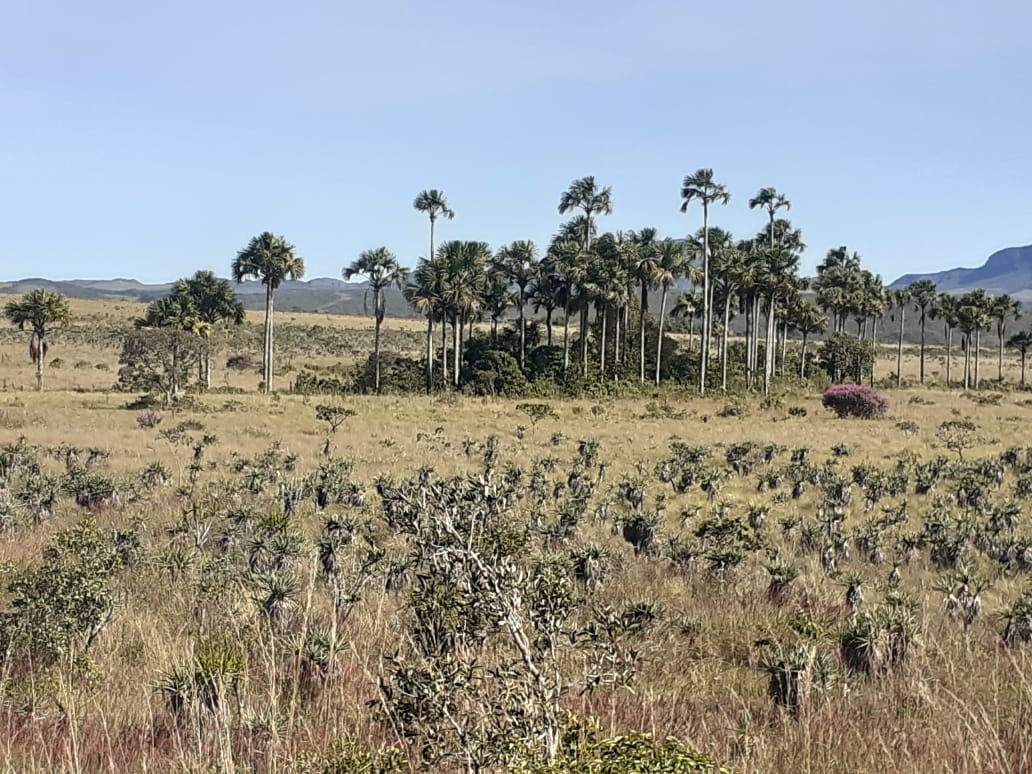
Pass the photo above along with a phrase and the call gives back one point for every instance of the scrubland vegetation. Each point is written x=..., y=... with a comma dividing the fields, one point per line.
x=348, y=582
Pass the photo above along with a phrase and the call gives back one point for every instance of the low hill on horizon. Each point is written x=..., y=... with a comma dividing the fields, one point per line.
x=1006, y=271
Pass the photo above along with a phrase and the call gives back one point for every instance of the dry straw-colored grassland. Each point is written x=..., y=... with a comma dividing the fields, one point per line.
x=962, y=702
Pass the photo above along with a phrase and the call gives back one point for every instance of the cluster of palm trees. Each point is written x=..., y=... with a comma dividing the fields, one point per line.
x=599, y=279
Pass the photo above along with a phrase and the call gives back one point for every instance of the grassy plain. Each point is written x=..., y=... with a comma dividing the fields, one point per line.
x=963, y=703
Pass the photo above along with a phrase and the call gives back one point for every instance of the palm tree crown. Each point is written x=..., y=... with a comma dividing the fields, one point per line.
x=39, y=310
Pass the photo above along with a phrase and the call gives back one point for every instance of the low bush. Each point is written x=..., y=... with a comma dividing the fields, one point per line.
x=854, y=400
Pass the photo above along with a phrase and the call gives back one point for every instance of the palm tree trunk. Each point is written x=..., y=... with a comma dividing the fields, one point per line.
x=267, y=370
x=704, y=349
x=999, y=367
x=602, y=344
x=784, y=345
x=584, y=336
x=429, y=352
x=723, y=343
x=1023, y=367
x=802, y=359
x=376, y=354
x=457, y=325
x=616, y=344
x=922, y=357
x=445, y=373
x=769, y=347
x=874, y=348
x=548, y=325
x=978, y=338
x=691, y=332
x=40, y=356
x=641, y=329
x=659, y=339
x=966, y=342
x=433, y=220
x=566, y=337
x=899, y=351
x=523, y=335
x=949, y=343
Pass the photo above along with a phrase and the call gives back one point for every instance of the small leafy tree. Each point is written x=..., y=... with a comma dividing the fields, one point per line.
x=846, y=357
x=958, y=435
x=334, y=416
x=159, y=361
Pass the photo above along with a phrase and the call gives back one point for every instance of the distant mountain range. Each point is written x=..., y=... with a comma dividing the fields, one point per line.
x=322, y=294
x=1006, y=271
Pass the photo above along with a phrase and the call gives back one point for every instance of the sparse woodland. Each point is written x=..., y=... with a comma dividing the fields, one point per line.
x=220, y=554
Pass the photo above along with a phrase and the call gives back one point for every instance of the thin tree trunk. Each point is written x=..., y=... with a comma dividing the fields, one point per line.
x=768, y=348
x=723, y=343
x=691, y=333
x=784, y=346
x=616, y=345
x=641, y=329
x=602, y=344
x=267, y=370
x=704, y=348
x=445, y=373
x=978, y=338
x=41, y=343
x=874, y=347
x=659, y=340
x=802, y=359
x=566, y=338
x=999, y=368
x=523, y=335
x=949, y=343
x=457, y=325
x=584, y=337
x=899, y=351
x=923, y=346
x=1023, y=368
x=429, y=353
x=376, y=353
x=548, y=325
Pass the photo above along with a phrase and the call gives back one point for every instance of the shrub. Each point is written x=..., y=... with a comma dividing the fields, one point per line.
x=244, y=362
x=148, y=420
x=853, y=400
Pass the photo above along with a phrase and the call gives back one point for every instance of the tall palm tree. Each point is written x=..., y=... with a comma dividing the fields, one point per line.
x=902, y=299
x=586, y=195
x=1021, y=341
x=670, y=266
x=270, y=259
x=644, y=249
x=216, y=302
x=700, y=186
x=381, y=269
x=807, y=319
x=923, y=293
x=947, y=309
x=434, y=204
x=40, y=311
x=546, y=293
x=425, y=293
x=728, y=273
x=563, y=262
x=518, y=264
x=465, y=266
x=779, y=282
x=1000, y=308
x=770, y=200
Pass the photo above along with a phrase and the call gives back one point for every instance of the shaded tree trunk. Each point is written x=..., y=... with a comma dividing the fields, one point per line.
x=706, y=311
x=922, y=357
x=429, y=353
x=723, y=343
x=659, y=339
x=267, y=364
x=566, y=338
x=899, y=351
x=802, y=359
x=641, y=329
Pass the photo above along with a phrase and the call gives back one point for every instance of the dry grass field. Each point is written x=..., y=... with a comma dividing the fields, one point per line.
x=959, y=701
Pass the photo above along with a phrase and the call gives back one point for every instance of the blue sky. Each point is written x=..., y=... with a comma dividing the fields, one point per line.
x=151, y=139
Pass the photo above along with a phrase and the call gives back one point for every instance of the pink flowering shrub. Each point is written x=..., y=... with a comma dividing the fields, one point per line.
x=854, y=400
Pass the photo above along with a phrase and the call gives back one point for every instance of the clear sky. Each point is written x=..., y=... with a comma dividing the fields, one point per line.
x=143, y=139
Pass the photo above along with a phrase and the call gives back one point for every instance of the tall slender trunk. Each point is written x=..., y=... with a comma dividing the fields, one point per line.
x=966, y=342
x=769, y=347
x=41, y=354
x=899, y=351
x=874, y=346
x=949, y=358
x=602, y=343
x=784, y=345
x=1022, y=367
x=548, y=325
x=523, y=334
x=376, y=353
x=978, y=338
x=747, y=306
x=267, y=364
x=584, y=336
x=691, y=333
x=659, y=339
x=802, y=359
x=616, y=344
x=704, y=348
x=922, y=358
x=723, y=343
x=433, y=222
x=457, y=325
x=566, y=337
x=641, y=328
x=429, y=353
x=999, y=366
x=445, y=373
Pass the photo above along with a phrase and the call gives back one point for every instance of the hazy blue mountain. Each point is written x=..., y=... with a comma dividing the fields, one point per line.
x=1006, y=271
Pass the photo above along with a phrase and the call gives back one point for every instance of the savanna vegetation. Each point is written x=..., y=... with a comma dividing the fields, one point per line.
x=603, y=542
